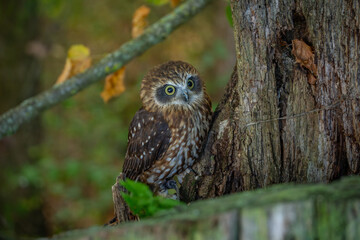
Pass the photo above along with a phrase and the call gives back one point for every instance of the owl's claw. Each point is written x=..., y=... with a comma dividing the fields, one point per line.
x=170, y=184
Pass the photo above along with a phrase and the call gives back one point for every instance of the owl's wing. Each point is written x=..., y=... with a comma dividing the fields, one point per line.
x=148, y=140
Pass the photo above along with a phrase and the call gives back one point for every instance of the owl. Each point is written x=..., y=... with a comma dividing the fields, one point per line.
x=166, y=134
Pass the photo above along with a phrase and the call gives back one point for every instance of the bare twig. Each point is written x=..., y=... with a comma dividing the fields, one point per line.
x=11, y=120
x=302, y=114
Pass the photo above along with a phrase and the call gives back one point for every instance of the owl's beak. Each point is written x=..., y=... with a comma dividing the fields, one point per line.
x=185, y=95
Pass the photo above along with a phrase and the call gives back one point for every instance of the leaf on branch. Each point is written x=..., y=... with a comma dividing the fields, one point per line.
x=139, y=21
x=175, y=3
x=77, y=61
x=158, y=2
x=304, y=55
x=114, y=85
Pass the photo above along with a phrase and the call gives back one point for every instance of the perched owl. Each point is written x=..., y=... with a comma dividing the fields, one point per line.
x=166, y=134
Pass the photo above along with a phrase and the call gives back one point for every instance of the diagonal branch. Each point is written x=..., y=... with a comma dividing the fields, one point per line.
x=11, y=120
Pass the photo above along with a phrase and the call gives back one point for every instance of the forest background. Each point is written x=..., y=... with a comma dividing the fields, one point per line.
x=56, y=171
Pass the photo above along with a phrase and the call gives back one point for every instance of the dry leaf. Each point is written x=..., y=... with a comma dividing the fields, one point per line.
x=174, y=3
x=77, y=61
x=114, y=85
x=304, y=55
x=311, y=79
x=139, y=21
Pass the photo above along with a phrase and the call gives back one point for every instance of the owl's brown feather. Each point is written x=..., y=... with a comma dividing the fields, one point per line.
x=148, y=139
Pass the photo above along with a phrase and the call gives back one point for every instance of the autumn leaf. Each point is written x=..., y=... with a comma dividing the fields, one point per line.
x=304, y=55
x=114, y=85
x=174, y=3
x=77, y=61
x=139, y=21
x=311, y=79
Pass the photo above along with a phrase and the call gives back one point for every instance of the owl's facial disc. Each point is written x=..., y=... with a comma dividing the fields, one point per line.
x=182, y=91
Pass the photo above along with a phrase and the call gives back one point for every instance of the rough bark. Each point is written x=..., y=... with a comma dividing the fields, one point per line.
x=11, y=120
x=280, y=212
x=275, y=124
x=121, y=209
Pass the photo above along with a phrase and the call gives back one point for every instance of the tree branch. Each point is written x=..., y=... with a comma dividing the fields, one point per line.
x=11, y=120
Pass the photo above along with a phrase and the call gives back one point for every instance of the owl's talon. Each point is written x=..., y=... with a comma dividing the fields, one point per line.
x=171, y=184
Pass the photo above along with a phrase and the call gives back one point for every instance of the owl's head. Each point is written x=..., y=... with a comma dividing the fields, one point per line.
x=174, y=85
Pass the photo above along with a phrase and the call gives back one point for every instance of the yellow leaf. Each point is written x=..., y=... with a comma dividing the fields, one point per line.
x=77, y=61
x=78, y=52
x=139, y=21
x=114, y=85
x=174, y=3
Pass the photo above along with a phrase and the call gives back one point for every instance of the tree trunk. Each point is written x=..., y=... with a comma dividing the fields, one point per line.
x=281, y=120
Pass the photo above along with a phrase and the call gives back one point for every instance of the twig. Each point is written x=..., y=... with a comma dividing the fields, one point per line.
x=11, y=120
x=328, y=107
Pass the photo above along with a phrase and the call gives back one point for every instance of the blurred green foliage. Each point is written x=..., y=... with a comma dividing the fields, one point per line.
x=229, y=15
x=142, y=201
x=68, y=176
x=158, y=2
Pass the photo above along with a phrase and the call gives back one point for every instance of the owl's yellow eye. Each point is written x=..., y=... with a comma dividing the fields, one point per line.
x=190, y=84
x=170, y=90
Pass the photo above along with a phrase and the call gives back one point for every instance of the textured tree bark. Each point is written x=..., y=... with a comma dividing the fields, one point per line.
x=121, y=209
x=279, y=121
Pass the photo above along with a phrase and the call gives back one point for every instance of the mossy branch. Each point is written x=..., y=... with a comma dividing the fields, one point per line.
x=286, y=211
x=11, y=120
